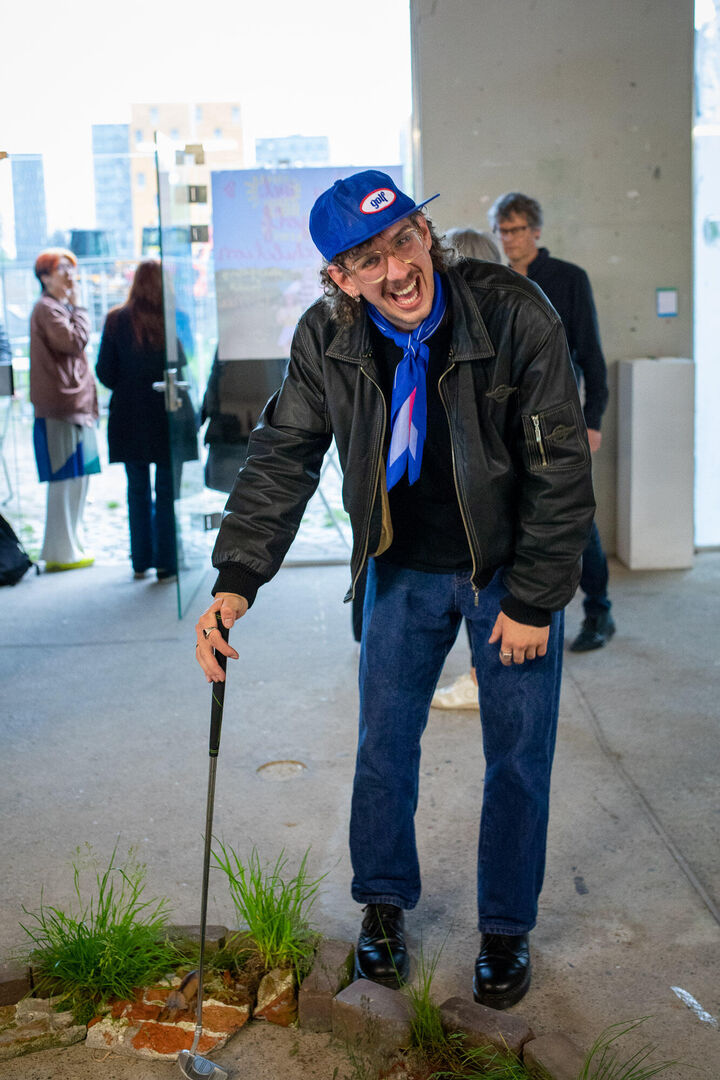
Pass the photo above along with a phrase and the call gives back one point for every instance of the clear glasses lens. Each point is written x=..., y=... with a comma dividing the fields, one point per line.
x=372, y=266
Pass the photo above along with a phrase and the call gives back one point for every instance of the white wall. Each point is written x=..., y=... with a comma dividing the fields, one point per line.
x=586, y=106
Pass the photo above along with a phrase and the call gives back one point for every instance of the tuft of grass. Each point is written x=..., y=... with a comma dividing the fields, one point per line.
x=113, y=504
x=447, y=1055
x=602, y=1062
x=111, y=945
x=427, y=1033
x=275, y=911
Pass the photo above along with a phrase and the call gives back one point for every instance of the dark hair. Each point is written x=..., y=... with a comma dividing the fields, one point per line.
x=341, y=306
x=473, y=244
x=144, y=304
x=48, y=261
x=513, y=202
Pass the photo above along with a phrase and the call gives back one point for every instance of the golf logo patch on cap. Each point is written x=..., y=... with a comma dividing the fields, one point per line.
x=380, y=199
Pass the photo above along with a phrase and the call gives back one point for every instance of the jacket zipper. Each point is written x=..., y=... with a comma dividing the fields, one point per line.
x=377, y=481
x=538, y=438
x=476, y=591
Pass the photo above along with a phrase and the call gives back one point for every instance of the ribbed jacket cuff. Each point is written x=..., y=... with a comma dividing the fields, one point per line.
x=524, y=613
x=238, y=579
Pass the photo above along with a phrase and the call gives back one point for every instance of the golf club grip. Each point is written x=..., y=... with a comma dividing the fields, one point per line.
x=218, y=698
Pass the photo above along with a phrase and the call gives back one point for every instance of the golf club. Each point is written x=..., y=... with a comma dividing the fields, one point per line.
x=192, y=1064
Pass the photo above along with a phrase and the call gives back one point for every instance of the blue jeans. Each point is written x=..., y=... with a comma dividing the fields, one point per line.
x=410, y=622
x=152, y=522
x=594, y=576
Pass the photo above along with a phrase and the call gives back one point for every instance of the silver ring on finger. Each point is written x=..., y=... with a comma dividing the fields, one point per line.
x=207, y=631
x=506, y=655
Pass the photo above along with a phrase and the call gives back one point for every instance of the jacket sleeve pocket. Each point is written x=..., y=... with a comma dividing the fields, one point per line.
x=555, y=439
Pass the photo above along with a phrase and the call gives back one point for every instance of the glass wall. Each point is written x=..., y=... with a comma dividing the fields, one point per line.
x=244, y=102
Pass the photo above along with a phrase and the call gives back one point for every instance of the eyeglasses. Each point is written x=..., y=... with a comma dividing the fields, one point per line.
x=505, y=234
x=373, y=265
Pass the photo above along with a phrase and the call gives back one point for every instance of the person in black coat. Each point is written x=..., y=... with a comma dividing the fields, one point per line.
x=131, y=359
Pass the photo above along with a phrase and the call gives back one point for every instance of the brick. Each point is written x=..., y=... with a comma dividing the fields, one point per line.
x=14, y=982
x=372, y=1017
x=155, y=1040
x=484, y=1026
x=553, y=1055
x=331, y=972
x=215, y=936
x=276, y=1000
x=32, y=1025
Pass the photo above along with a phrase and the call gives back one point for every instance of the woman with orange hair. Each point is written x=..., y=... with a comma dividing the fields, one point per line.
x=63, y=394
x=131, y=358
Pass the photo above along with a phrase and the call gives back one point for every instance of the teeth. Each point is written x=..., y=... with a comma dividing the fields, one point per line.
x=404, y=292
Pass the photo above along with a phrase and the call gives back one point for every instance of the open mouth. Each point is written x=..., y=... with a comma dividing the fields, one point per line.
x=407, y=297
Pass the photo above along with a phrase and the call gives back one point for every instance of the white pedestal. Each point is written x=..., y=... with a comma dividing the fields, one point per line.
x=656, y=410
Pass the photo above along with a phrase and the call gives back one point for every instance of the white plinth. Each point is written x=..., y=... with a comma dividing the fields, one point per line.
x=656, y=410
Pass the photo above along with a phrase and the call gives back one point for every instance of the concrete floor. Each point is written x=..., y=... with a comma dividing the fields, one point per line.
x=105, y=719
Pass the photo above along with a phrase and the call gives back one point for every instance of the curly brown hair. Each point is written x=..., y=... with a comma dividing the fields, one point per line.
x=343, y=307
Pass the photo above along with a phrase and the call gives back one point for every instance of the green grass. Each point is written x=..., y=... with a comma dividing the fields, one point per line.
x=113, y=943
x=603, y=1063
x=274, y=910
x=447, y=1055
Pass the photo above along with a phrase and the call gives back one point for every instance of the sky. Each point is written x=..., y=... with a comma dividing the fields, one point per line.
x=315, y=67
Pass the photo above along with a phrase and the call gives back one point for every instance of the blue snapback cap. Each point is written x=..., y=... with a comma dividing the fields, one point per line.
x=354, y=209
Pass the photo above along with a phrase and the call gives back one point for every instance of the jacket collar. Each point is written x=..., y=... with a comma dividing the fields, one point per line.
x=470, y=339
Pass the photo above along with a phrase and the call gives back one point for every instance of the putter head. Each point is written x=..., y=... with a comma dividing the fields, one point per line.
x=198, y=1067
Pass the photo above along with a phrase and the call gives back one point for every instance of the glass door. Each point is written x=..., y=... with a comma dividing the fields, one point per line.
x=191, y=337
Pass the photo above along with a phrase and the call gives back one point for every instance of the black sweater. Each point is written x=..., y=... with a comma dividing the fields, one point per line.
x=567, y=287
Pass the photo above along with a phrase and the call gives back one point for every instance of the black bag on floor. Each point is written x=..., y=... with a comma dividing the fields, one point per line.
x=14, y=561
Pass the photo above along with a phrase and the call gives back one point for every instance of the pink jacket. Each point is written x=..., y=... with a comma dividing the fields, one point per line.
x=62, y=386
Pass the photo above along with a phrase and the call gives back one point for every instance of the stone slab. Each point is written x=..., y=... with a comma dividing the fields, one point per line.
x=331, y=973
x=553, y=1055
x=371, y=1016
x=484, y=1026
x=14, y=982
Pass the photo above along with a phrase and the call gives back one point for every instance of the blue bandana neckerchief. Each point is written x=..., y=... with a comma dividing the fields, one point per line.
x=408, y=409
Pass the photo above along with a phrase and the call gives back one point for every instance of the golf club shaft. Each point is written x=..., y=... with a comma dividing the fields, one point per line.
x=216, y=715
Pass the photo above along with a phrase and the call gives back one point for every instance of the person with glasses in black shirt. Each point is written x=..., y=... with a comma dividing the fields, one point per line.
x=517, y=220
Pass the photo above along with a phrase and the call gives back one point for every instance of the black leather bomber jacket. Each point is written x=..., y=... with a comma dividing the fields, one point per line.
x=520, y=454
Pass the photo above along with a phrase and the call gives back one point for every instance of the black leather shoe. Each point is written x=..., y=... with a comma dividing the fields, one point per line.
x=381, y=954
x=596, y=631
x=502, y=970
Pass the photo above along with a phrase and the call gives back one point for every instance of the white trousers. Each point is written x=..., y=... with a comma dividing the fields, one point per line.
x=63, y=522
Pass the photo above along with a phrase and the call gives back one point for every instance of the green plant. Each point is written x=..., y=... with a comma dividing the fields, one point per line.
x=274, y=911
x=427, y=1033
x=448, y=1055
x=602, y=1061
x=113, y=504
x=114, y=942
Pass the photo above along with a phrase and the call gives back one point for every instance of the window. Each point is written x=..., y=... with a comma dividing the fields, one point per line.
x=218, y=133
x=138, y=136
x=140, y=181
x=153, y=115
x=198, y=114
x=235, y=114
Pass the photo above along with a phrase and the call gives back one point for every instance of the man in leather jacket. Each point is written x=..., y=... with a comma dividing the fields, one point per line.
x=450, y=394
